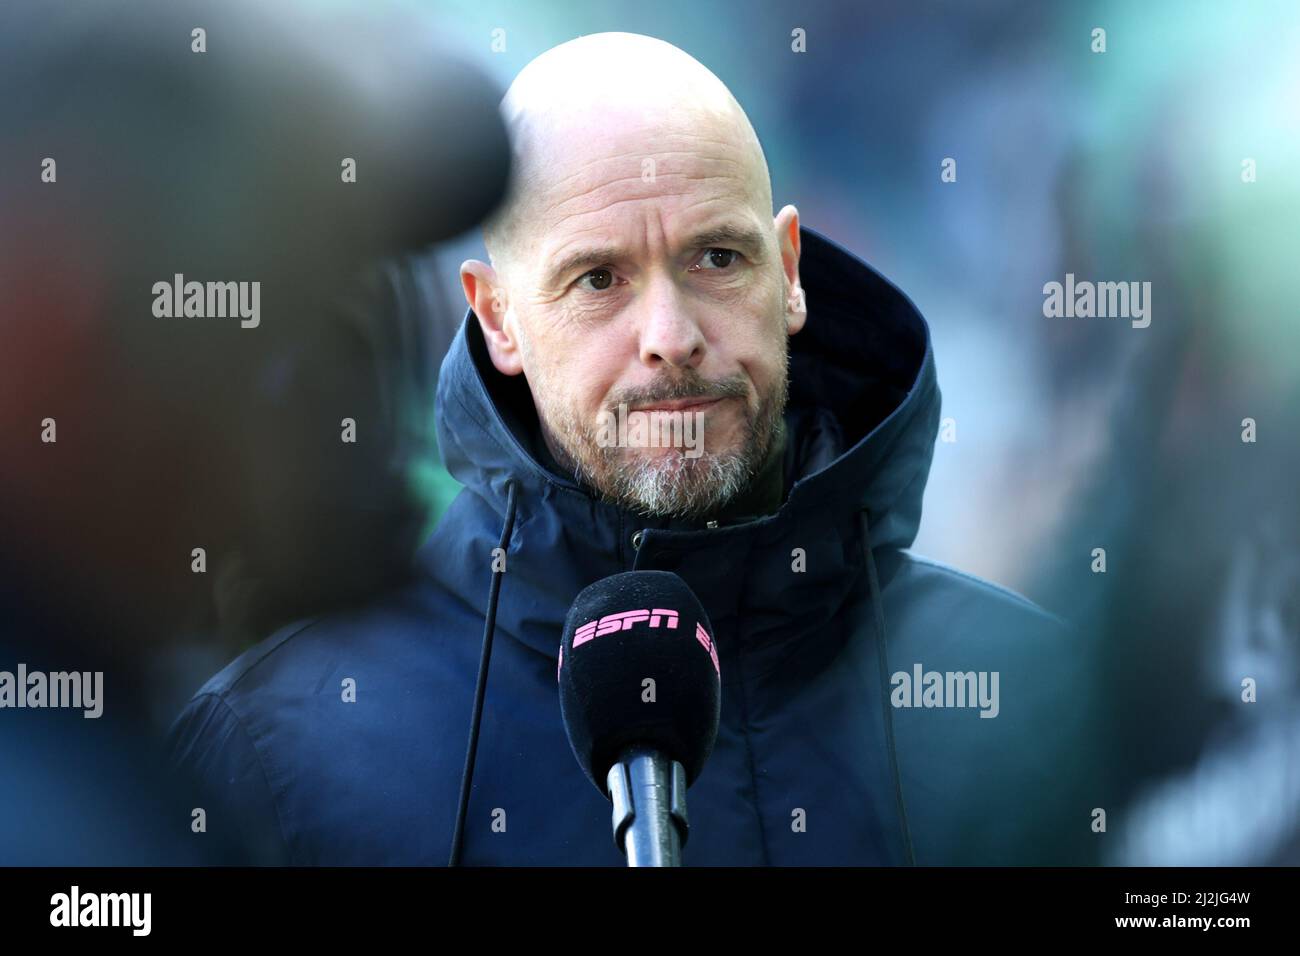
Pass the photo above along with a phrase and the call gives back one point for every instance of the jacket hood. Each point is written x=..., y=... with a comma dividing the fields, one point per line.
x=862, y=418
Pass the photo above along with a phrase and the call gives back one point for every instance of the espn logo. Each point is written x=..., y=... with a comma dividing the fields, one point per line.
x=622, y=621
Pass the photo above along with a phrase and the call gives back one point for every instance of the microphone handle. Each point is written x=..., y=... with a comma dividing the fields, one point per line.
x=648, y=791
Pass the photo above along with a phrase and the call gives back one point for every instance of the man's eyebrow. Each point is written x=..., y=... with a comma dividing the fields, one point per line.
x=746, y=239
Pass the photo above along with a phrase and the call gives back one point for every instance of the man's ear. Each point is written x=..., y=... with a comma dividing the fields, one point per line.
x=486, y=295
x=787, y=240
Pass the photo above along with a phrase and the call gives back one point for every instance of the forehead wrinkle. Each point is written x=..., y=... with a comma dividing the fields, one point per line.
x=593, y=203
x=734, y=191
x=728, y=209
x=590, y=194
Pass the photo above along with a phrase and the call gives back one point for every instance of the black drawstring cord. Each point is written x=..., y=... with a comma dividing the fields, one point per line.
x=489, y=626
x=874, y=584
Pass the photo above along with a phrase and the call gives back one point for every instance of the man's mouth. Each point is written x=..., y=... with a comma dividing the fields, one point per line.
x=681, y=404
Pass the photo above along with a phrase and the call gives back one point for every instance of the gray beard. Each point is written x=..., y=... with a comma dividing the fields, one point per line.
x=670, y=484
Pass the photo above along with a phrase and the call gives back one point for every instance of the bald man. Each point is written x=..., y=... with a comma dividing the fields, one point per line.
x=644, y=270
x=876, y=707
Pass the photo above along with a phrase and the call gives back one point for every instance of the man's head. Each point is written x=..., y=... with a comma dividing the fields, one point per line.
x=636, y=262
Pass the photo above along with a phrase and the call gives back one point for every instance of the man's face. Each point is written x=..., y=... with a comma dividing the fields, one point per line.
x=646, y=273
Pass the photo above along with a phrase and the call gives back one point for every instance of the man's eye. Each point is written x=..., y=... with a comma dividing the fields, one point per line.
x=718, y=258
x=601, y=279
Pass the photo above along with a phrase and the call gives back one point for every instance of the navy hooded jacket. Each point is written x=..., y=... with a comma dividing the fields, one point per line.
x=822, y=757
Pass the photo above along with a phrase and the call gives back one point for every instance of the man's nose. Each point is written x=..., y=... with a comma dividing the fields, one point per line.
x=670, y=334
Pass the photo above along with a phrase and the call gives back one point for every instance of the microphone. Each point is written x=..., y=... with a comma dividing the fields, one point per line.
x=640, y=696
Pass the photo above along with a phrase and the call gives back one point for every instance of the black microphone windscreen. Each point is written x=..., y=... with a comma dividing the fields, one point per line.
x=638, y=665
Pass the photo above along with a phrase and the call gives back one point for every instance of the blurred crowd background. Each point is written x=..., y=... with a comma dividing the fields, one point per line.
x=1069, y=435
